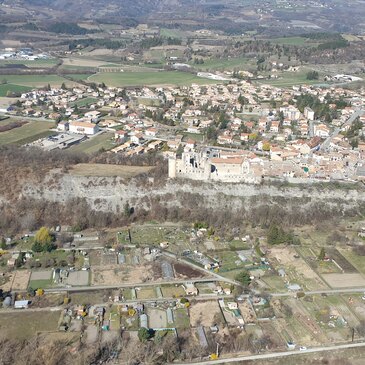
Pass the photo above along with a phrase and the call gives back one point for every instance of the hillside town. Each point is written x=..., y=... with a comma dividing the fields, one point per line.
x=229, y=132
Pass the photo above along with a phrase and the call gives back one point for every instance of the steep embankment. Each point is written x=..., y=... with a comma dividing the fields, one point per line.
x=110, y=194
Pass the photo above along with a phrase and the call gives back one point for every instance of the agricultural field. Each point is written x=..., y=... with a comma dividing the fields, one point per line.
x=104, y=170
x=40, y=279
x=27, y=133
x=289, y=79
x=79, y=77
x=355, y=259
x=148, y=78
x=223, y=64
x=172, y=291
x=204, y=313
x=146, y=293
x=297, y=269
x=48, y=63
x=150, y=234
x=25, y=325
x=5, y=89
x=95, y=144
x=37, y=80
x=229, y=261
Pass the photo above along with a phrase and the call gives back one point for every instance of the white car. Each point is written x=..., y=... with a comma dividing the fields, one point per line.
x=302, y=348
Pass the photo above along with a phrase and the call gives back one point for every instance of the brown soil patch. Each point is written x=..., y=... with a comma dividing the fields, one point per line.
x=203, y=313
x=184, y=271
x=20, y=280
x=118, y=274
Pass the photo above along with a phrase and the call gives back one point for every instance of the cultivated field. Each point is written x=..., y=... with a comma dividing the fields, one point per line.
x=40, y=279
x=223, y=64
x=11, y=88
x=203, y=313
x=31, y=64
x=344, y=280
x=297, y=269
x=288, y=79
x=17, y=280
x=24, y=325
x=20, y=280
x=37, y=80
x=26, y=133
x=117, y=274
x=95, y=144
x=103, y=170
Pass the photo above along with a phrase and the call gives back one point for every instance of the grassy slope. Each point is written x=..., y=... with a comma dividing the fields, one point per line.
x=27, y=133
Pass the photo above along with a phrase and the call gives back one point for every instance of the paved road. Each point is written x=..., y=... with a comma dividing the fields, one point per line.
x=276, y=354
x=325, y=145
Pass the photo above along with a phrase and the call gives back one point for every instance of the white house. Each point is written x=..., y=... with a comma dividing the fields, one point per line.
x=94, y=116
x=137, y=138
x=83, y=128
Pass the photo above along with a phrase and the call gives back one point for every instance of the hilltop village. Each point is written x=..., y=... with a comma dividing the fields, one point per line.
x=236, y=131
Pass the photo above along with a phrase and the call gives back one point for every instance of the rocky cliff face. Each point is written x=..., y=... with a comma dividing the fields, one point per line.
x=109, y=194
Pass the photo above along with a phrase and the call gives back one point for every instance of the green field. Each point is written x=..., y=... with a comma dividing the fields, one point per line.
x=289, y=79
x=5, y=88
x=27, y=133
x=173, y=33
x=24, y=325
x=84, y=102
x=104, y=140
x=31, y=64
x=194, y=136
x=79, y=76
x=148, y=78
x=35, y=80
x=40, y=284
x=223, y=64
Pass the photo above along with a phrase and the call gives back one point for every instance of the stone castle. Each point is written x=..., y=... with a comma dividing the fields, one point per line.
x=213, y=165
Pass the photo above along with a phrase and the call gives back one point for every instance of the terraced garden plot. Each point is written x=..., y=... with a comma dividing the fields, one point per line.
x=355, y=259
x=345, y=265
